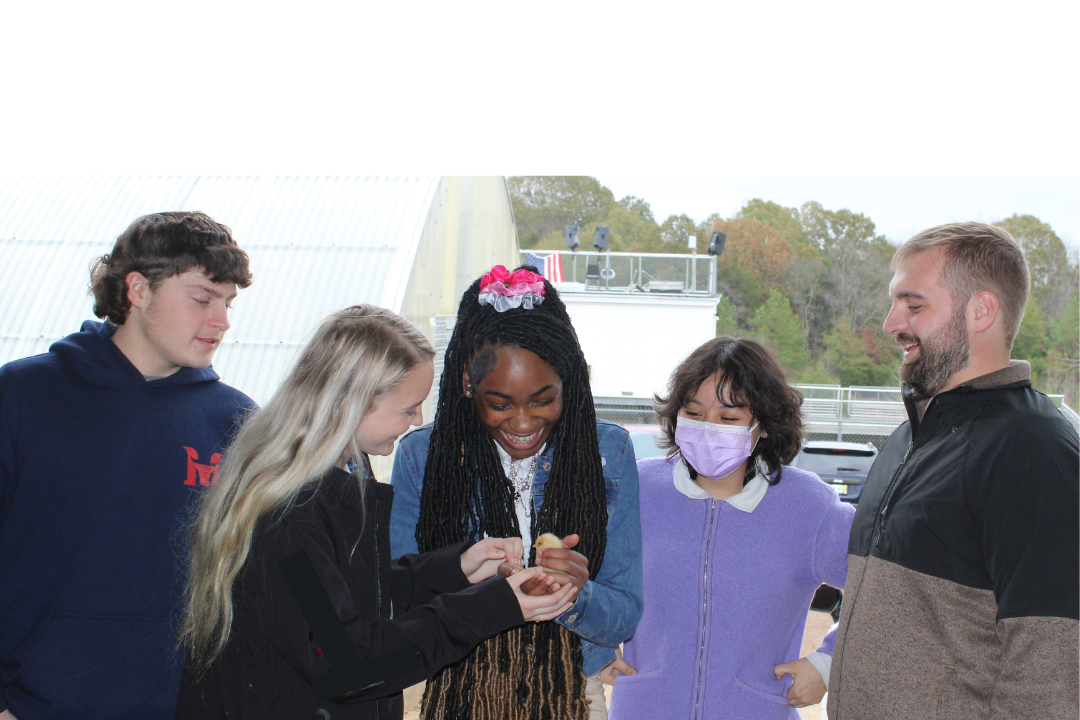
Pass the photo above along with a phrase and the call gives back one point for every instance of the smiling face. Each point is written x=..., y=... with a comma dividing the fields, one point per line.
x=394, y=413
x=519, y=399
x=931, y=331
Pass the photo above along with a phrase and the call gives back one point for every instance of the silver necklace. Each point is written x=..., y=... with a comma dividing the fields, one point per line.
x=524, y=483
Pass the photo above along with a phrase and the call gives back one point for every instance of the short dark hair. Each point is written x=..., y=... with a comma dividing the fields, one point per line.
x=752, y=378
x=160, y=246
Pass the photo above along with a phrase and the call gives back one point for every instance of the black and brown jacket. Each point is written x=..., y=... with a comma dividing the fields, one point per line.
x=962, y=588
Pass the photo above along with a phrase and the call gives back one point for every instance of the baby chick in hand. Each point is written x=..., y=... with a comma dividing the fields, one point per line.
x=548, y=540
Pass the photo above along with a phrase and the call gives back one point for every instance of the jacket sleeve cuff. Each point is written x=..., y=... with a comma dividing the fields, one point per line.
x=573, y=618
x=821, y=663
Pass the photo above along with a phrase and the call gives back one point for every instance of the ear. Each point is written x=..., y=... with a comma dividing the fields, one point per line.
x=983, y=309
x=466, y=384
x=138, y=289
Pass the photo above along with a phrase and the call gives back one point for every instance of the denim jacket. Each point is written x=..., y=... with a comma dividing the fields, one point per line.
x=607, y=610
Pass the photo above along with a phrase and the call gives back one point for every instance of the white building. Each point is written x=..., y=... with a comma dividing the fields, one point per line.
x=637, y=324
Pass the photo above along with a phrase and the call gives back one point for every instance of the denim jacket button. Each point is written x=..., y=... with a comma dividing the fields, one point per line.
x=572, y=618
x=547, y=466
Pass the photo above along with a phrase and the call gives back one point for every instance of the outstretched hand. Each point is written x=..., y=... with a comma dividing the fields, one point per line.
x=564, y=560
x=807, y=687
x=484, y=558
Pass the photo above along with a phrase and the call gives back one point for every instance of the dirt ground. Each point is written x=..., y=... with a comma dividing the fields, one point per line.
x=817, y=624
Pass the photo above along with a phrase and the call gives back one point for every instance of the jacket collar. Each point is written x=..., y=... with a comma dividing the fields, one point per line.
x=916, y=404
x=746, y=500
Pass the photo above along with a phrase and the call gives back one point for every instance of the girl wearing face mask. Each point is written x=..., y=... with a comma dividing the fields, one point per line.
x=735, y=544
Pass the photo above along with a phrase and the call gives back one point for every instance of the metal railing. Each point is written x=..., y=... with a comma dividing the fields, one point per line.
x=660, y=273
x=859, y=413
x=865, y=410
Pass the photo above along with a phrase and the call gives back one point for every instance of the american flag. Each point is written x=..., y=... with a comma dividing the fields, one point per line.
x=550, y=266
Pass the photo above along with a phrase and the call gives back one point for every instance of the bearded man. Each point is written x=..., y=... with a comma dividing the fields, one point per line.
x=962, y=588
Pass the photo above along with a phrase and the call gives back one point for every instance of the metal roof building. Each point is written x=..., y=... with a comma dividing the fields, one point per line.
x=317, y=244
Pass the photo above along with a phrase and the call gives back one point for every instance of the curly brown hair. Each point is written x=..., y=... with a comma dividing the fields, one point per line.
x=751, y=378
x=159, y=246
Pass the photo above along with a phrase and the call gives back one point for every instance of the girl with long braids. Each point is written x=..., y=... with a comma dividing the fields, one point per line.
x=296, y=480
x=516, y=451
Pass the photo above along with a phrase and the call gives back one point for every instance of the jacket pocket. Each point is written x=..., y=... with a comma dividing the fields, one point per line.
x=638, y=678
x=104, y=666
x=640, y=696
x=768, y=695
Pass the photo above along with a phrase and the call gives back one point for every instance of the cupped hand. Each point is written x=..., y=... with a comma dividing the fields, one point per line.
x=483, y=559
x=615, y=668
x=539, y=584
x=538, y=608
x=807, y=687
x=564, y=560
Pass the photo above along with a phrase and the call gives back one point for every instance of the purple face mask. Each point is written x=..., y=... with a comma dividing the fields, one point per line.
x=715, y=451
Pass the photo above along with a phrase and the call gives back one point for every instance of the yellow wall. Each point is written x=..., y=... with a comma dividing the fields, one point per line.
x=469, y=228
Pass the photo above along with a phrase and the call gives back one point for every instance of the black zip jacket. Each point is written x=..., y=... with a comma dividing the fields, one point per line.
x=424, y=600
x=962, y=590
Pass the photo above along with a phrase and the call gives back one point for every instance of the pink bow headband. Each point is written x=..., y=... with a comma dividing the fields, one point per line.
x=504, y=290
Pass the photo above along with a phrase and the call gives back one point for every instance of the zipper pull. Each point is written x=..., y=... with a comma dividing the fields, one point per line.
x=910, y=447
x=885, y=507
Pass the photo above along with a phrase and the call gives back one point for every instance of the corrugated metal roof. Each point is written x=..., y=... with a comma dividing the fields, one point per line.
x=316, y=245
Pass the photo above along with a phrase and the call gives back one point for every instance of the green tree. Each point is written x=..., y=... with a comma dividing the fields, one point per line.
x=639, y=206
x=727, y=323
x=1064, y=357
x=544, y=205
x=1032, y=339
x=846, y=357
x=1052, y=277
x=629, y=230
x=1065, y=330
x=780, y=329
x=856, y=273
x=676, y=232
x=783, y=219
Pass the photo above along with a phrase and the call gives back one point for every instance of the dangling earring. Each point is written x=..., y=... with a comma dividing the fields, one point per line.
x=468, y=391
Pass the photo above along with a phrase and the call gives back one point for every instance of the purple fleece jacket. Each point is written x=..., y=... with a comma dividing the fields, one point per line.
x=726, y=596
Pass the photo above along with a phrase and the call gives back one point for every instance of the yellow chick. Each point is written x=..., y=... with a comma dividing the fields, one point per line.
x=548, y=540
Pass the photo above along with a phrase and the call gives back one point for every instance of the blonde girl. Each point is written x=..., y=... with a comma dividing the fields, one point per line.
x=296, y=478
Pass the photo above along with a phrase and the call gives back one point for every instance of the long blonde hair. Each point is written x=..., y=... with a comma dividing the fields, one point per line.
x=356, y=356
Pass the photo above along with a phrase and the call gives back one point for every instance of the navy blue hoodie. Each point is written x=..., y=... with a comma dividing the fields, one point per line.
x=98, y=471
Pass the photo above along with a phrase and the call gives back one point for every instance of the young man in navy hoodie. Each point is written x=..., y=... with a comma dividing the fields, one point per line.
x=105, y=442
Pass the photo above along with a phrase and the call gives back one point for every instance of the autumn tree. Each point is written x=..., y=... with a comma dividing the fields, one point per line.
x=756, y=260
x=783, y=219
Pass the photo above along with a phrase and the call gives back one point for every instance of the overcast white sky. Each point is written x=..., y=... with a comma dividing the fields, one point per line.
x=899, y=206
x=913, y=114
